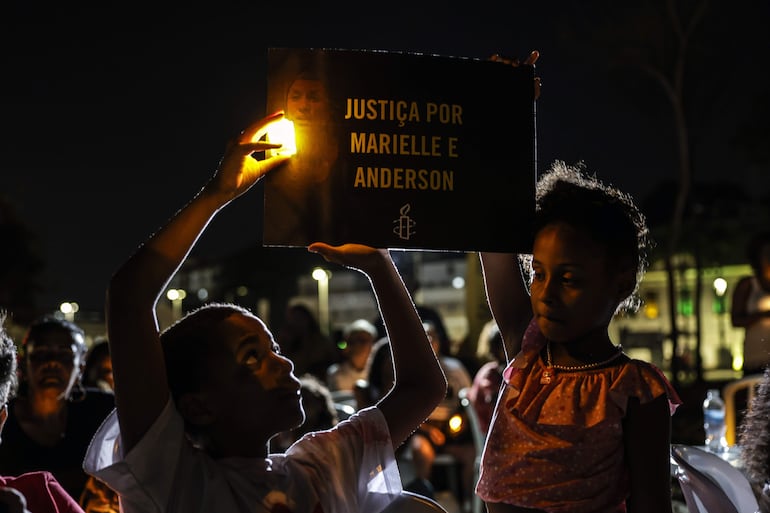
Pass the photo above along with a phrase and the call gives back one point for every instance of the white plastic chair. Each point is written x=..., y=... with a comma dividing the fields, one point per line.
x=711, y=484
x=344, y=411
x=347, y=397
x=409, y=502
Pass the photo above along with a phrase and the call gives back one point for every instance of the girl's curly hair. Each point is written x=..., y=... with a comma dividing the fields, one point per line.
x=569, y=194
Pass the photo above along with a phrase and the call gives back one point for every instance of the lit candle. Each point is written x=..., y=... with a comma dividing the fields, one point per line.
x=282, y=132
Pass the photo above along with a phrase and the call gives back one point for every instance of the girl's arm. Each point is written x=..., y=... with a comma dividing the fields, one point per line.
x=419, y=382
x=141, y=390
x=507, y=297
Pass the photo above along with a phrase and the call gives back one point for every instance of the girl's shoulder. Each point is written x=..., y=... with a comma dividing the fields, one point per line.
x=644, y=381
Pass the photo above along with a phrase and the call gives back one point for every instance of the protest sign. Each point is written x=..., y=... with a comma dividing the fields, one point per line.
x=402, y=150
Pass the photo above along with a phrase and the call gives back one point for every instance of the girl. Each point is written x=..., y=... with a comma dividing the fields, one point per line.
x=578, y=426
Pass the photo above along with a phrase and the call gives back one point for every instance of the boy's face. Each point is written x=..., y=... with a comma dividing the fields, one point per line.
x=251, y=385
x=574, y=290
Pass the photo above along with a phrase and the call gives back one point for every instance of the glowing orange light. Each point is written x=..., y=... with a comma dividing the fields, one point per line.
x=282, y=132
x=455, y=424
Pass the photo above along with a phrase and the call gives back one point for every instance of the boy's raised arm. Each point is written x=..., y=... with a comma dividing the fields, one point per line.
x=141, y=390
x=420, y=383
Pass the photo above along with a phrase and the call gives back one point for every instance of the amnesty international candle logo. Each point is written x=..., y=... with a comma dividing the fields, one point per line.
x=387, y=142
x=405, y=225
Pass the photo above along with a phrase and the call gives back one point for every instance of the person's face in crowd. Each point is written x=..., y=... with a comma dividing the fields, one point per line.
x=433, y=337
x=573, y=291
x=307, y=103
x=53, y=362
x=251, y=389
x=102, y=371
x=315, y=408
x=359, y=345
x=297, y=323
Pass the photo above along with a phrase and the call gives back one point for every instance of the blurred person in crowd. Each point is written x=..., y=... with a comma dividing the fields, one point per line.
x=320, y=413
x=418, y=450
x=436, y=428
x=34, y=491
x=750, y=306
x=456, y=374
x=357, y=339
x=487, y=380
x=302, y=340
x=433, y=436
x=54, y=416
x=97, y=372
x=427, y=313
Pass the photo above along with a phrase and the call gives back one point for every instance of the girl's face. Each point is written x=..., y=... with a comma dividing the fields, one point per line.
x=252, y=387
x=53, y=363
x=573, y=290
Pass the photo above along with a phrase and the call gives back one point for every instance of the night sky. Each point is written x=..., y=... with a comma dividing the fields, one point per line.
x=113, y=118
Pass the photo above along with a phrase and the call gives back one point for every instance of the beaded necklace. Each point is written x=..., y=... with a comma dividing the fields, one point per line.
x=550, y=368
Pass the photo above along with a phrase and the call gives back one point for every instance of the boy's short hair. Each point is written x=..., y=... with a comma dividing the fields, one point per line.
x=570, y=195
x=188, y=343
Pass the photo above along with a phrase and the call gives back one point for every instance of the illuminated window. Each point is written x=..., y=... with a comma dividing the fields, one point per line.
x=685, y=304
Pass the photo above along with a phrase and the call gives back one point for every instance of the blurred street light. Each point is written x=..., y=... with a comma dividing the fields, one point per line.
x=322, y=277
x=176, y=296
x=69, y=309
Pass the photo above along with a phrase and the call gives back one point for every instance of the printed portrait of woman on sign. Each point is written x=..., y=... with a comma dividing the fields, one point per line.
x=300, y=196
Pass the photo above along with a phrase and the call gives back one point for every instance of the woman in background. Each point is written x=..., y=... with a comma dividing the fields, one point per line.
x=54, y=416
x=750, y=308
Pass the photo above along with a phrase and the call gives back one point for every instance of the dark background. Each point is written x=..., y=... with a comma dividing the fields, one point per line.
x=114, y=116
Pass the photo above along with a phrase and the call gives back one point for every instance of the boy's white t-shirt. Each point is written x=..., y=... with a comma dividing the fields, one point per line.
x=350, y=468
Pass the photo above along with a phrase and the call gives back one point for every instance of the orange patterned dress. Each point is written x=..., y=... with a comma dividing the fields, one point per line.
x=558, y=447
